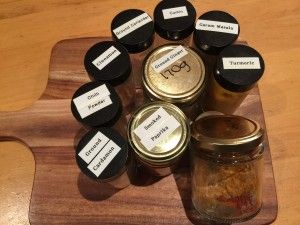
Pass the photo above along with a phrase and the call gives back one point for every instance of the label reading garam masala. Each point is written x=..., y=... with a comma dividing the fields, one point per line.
x=241, y=63
x=169, y=58
x=156, y=128
x=106, y=57
x=132, y=25
x=92, y=101
x=217, y=26
x=175, y=12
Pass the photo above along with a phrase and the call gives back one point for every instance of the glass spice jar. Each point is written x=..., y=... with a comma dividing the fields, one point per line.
x=237, y=69
x=227, y=167
x=175, y=74
x=158, y=133
x=174, y=22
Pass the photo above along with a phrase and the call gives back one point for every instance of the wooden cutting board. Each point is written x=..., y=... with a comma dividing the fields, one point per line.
x=61, y=194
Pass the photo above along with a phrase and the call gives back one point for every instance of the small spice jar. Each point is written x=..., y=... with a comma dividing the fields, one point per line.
x=109, y=61
x=227, y=167
x=158, y=133
x=96, y=104
x=174, y=21
x=215, y=30
x=237, y=69
x=134, y=29
x=102, y=155
x=175, y=74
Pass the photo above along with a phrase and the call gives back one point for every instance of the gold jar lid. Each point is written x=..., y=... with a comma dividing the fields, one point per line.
x=174, y=73
x=226, y=133
x=158, y=132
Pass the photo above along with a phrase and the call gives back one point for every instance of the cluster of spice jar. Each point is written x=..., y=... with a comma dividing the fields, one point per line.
x=165, y=87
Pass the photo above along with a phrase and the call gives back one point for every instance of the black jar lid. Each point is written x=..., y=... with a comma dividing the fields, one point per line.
x=96, y=104
x=102, y=154
x=238, y=68
x=215, y=30
x=134, y=29
x=108, y=61
x=174, y=19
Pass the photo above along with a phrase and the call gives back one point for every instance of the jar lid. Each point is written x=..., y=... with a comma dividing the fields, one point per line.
x=174, y=73
x=226, y=133
x=158, y=132
x=108, y=61
x=174, y=19
x=134, y=29
x=102, y=154
x=95, y=104
x=238, y=68
x=215, y=30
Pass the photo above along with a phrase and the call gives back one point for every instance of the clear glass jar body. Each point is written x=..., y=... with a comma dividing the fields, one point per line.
x=227, y=188
x=222, y=100
x=158, y=41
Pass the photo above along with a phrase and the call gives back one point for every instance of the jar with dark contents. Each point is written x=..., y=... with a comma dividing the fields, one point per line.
x=237, y=69
x=175, y=74
x=159, y=133
x=102, y=155
x=174, y=22
x=226, y=167
x=109, y=62
x=134, y=29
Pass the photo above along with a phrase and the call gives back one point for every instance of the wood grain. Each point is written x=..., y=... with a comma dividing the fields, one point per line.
x=51, y=137
x=29, y=29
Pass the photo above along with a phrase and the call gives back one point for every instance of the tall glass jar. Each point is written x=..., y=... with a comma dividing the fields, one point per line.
x=227, y=167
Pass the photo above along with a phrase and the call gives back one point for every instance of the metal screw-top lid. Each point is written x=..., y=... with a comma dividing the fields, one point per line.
x=96, y=104
x=174, y=19
x=238, y=68
x=102, y=154
x=215, y=30
x=226, y=133
x=174, y=73
x=108, y=61
x=159, y=133
x=134, y=29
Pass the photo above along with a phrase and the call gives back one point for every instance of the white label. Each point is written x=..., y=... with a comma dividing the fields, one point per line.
x=106, y=57
x=105, y=156
x=174, y=12
x=160, y=133
x=93, y=147
x=241, y=63
x=91, y=96
x=217, y=26
x=168, y=59
x=151, y=123
x=95, y=106
x=132, y=25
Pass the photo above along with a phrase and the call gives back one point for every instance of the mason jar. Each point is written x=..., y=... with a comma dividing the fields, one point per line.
x=176, y=74
x=159, y=133
x=226, y=167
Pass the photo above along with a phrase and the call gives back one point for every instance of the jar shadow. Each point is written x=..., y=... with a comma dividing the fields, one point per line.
x=183, y=181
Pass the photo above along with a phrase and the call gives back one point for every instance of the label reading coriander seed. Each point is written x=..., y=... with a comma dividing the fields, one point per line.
x=160, y=133
x=175, y=12
x=104, y=157
x=217, y=26
x=93, y=147
x=106, y=57
x=132, y=25
x=241, y=63
x=169, y=58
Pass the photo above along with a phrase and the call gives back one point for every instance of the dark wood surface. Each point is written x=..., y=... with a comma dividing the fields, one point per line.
x=63, y=195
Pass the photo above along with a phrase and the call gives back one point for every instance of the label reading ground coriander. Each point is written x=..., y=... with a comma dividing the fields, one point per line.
x=217, y=26
x=175, y=12
x=132, y=25
x=169, y=58
x=106, y=57
x=241, y=63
